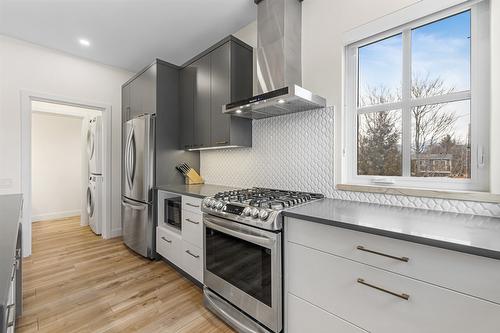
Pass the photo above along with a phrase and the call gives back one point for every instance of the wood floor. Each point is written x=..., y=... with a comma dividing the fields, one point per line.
x=77, y=282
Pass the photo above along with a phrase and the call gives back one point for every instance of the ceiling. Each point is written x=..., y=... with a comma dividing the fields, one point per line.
x=126, y=33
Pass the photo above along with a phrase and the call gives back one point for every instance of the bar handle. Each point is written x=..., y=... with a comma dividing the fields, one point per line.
x=11, y=317
x=402, y=295
x=190, y=204
x=192, y=254
x=362, y=248
x=193, y=222
x=221, y=142
x=166, y=240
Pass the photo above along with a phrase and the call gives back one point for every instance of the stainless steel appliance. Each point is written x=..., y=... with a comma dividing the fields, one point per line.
x=137, y=183
x=243, y=280
x=279, y=65
x=169, y=210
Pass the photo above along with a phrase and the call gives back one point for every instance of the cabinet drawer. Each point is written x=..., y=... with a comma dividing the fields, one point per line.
x=169, y=245
x=192, y=204
x=304, y=317
x=192, y=228
x=333, y=284
x=192, y=260
x=462, y=272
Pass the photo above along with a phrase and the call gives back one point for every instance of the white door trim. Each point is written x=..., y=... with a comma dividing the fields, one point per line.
x=26, y=98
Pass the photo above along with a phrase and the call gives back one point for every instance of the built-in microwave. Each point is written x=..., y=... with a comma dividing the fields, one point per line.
x=169, y=207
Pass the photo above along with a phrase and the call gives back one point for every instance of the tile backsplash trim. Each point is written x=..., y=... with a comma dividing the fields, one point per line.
x=295, y=152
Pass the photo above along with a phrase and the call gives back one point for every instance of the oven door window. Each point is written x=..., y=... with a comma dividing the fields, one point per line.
x=245, y=265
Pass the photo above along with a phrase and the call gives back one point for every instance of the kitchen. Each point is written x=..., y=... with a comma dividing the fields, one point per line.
x=372, y=217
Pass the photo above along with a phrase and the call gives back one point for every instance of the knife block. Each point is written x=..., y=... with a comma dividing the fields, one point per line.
x=193, y=178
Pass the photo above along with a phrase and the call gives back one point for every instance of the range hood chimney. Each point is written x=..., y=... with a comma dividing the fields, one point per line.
x=279, y=64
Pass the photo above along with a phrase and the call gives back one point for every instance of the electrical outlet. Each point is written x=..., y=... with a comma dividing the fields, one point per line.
x=5, y=182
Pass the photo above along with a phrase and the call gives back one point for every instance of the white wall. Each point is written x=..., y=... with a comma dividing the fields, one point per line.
x=55, y=166
x=28, y=67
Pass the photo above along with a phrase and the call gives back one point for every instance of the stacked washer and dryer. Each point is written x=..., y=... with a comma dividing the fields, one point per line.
x=94, y=190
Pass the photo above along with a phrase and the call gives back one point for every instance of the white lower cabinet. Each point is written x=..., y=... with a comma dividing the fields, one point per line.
x=303, y=317
x=184, y=248
x=375, y=299
x=169, y=245
x=192, y=228
x=192, y=260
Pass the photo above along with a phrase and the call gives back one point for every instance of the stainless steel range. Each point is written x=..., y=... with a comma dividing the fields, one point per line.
x=243, y=256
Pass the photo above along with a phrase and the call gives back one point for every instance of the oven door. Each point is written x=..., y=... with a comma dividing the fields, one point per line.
x=242, y=264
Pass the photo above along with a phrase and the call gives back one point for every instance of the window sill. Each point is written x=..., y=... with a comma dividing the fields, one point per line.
x=422, y=192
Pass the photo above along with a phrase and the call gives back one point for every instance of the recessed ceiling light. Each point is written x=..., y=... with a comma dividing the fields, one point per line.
x=84, y=42
x=238, y=111
x=281, y=101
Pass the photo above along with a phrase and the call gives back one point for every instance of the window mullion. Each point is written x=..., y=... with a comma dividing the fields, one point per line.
x=405, y=102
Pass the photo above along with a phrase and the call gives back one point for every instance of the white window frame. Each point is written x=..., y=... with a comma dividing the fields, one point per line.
x=479, y=95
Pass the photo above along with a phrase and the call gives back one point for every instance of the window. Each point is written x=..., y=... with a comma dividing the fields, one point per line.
x=417, y=105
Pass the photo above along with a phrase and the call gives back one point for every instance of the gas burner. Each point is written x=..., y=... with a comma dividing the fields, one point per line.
x=256, y=206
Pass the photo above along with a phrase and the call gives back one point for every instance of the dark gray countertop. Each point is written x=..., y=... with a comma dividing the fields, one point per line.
x=199, y=191
x=10, y=209
x=471, y=234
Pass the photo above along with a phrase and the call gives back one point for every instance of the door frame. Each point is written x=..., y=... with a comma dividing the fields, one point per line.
x=26, y=182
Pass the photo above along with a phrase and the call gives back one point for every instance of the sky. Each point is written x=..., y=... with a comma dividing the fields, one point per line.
x=439, y=49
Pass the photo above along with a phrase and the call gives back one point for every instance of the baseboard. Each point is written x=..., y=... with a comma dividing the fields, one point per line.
x=56, y=215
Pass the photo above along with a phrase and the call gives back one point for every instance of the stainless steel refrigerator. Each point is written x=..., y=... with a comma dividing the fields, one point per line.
x=138, y=179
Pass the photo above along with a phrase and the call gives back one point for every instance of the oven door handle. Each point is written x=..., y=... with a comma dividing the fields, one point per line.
x=229, y=230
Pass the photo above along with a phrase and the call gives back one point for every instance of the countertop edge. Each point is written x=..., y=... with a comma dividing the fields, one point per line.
x=4, y=286
x=401, y=236
x=190, y=194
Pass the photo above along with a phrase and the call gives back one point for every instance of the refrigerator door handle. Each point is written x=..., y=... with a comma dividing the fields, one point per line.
x=133, y=158
x=128, y=157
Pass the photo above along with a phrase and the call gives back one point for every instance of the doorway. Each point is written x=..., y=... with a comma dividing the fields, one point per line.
x=62, y=144
x=57, y=179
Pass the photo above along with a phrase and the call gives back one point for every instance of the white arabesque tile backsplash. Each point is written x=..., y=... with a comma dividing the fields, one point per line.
x=295, y=152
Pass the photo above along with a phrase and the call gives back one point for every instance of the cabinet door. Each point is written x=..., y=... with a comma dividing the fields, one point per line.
x=202, y=102
x=126, y=103
x=143, y=93
x=220, y=95
x=187, y=79
x=135, y=99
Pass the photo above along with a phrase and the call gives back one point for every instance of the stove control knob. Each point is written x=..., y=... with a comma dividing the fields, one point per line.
x=247, y=211
x=255, y=213
x=219, y=205
x=263, y=215
x=212, y=203
x=206, y=202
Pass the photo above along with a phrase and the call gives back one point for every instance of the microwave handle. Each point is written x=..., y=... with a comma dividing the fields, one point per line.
x=232, y=231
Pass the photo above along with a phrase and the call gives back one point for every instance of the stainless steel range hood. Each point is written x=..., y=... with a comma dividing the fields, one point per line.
x=279, y=65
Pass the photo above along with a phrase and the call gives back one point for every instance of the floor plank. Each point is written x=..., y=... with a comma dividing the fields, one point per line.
x=76, y=281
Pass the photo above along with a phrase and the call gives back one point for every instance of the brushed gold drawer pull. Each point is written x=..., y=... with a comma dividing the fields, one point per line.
x=193, y=222
x=166, y=240
x=190, y=204
x=221, y=142
x=192, y=254
x=403, y=295
x=362, y=248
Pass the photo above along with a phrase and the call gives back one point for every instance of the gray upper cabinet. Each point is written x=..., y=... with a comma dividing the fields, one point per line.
x=157, y=89
x=126, y=103
x=186, y=99
x=201, y=103
x=221, y=94
x=139, y=95
x=218, y=76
